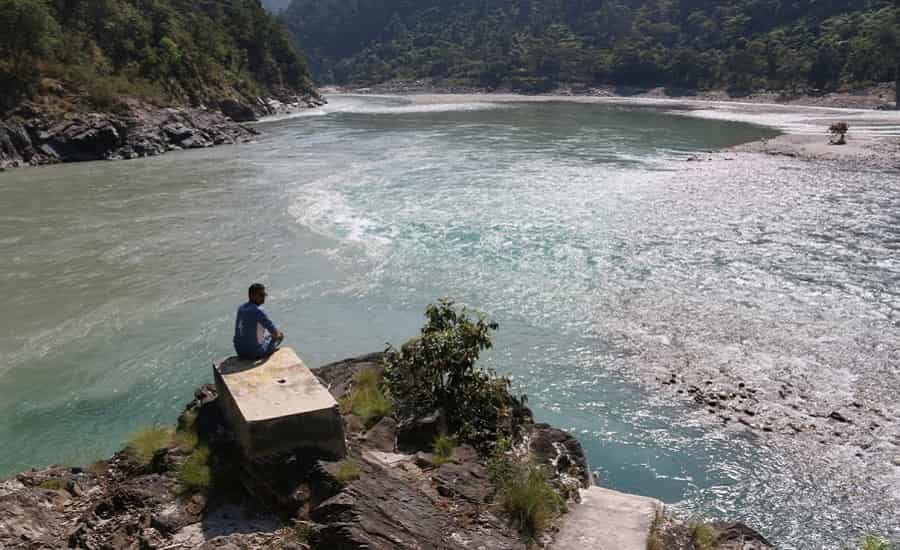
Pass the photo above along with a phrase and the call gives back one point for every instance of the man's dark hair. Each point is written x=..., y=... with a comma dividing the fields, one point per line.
x=256, y=287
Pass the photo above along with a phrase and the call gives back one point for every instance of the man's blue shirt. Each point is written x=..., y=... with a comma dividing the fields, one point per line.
x=247, y=342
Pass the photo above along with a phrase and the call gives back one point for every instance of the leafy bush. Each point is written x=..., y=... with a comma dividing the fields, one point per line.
x=838, y=132
x=347, y=471
x=144, y=444
x=437, y=370
x=443, y=450
x=704, y=537
x=194, y=474
x=367, y=399
x=876, y=543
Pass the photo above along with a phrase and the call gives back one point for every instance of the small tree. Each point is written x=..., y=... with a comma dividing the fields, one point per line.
x=437, y=371
x=838, y=132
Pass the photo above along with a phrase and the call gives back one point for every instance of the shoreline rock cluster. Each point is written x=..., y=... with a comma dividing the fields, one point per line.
x=396, y=500
x=399, y=496
x=35, y=134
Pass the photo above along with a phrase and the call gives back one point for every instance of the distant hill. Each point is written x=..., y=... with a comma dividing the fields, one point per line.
x=533, y=45
x=164, y=51
x=276, y=6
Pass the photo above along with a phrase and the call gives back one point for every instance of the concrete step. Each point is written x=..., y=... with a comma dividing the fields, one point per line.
x=607, y=520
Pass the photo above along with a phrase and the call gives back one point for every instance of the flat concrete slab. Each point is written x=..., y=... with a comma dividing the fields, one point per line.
x=607, y=520
x=277, y=404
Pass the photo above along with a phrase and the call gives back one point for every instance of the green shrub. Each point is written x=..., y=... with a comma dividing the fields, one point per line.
x=367, y=399
x=194, y=473
x=876, y=543
x=437, y=370
x=443, y=449
x=704, y=537
x=347, y=471
x=142, y=445
x=54, y=484
x=529, y=498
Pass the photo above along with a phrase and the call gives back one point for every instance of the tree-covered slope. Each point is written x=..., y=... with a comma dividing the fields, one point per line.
x=535, y=44
x=167, y=51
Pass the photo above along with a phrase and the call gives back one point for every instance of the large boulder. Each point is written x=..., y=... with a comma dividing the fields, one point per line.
x=237, y=111
x=419, y=433
x=562, y=452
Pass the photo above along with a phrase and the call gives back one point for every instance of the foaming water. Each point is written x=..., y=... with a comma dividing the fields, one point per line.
x=604, y=256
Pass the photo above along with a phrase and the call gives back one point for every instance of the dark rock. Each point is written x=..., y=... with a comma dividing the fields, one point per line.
x=464, y=477
x=835, y=415
x=383, y=435
x=338, y=377
x=31, y=136
x=417, y=434
x=553, y=446
x=237, y=111
x=737, y=536
x=402, y=517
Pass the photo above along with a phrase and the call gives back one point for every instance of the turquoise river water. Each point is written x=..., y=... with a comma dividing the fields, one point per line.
x=579, y=228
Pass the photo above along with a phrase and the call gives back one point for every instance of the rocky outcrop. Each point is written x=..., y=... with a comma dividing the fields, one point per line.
x=34, y=135
x=377, y=498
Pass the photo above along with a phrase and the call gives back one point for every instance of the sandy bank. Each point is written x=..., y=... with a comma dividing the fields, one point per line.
x=875, y=151
x=874, y=138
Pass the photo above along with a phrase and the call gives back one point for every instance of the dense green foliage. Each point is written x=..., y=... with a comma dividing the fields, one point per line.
x=437, y=371
x=197, y=52
x=534, y=45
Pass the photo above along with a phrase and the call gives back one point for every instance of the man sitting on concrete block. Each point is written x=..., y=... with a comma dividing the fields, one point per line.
x=255, y=335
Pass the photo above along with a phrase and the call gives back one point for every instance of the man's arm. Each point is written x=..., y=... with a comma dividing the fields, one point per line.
x=267, y=323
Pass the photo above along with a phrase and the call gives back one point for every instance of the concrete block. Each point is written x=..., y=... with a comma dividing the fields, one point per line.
x=277, y=404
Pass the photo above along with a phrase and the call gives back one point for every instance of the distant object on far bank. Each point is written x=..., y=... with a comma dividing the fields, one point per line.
x=838, y=132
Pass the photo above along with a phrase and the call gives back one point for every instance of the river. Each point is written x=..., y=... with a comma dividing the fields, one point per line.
x=581, y=229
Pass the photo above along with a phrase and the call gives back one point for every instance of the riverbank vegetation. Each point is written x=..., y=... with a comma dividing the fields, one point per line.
x=163, y=51
x=535, y=45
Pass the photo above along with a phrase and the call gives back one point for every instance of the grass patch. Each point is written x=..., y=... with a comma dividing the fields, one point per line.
x=367, y=399
x=704, y=537
x=347, y=471
x=654, y=539
x=142, y=445
x=876, y=543
x=527, y=496
x=443, y=450
x=54, y=484
x=186, y=441
x=194, y=474
x=98, y=468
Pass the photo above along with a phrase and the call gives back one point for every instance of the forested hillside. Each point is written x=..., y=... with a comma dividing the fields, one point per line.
x=164, y=51
x=533, y=45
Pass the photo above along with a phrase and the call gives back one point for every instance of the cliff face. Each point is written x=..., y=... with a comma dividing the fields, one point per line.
x=391, y=499
x=34, y=134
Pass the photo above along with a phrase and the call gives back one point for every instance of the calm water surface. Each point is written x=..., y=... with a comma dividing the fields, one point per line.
x=579, y=228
